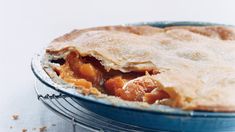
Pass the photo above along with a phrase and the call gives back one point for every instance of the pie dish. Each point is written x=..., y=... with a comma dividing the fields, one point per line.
x=187, y=67
x=156, y=117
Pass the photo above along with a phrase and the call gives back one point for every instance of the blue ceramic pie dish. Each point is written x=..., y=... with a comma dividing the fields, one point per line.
x=157, y=117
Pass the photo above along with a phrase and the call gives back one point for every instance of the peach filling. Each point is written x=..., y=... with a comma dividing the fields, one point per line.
x=88, y=75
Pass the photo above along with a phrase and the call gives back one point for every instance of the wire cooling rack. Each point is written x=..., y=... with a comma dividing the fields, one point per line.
x=71, y=110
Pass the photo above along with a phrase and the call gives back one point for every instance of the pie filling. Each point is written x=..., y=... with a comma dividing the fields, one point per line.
x=89, y=76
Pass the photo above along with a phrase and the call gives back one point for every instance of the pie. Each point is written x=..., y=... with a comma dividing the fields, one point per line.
x=187, y=67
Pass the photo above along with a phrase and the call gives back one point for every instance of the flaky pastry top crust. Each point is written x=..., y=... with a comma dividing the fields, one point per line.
x=196, y=64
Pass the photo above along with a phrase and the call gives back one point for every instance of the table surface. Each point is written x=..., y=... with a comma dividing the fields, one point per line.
x=27, y=26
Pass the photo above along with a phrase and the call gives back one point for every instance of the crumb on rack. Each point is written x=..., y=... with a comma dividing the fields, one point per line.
x=24, y=130
x=15, y=117
x=11, y=127
x=43, y=129
x=34, y=129
x=53, y=124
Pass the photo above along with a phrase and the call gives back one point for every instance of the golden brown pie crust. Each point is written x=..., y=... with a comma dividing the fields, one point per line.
x=196, y=64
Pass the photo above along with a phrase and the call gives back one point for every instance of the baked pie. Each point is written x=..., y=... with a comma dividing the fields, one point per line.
x=188, y=67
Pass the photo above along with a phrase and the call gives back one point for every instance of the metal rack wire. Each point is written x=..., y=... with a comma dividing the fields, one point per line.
x=71, y=110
